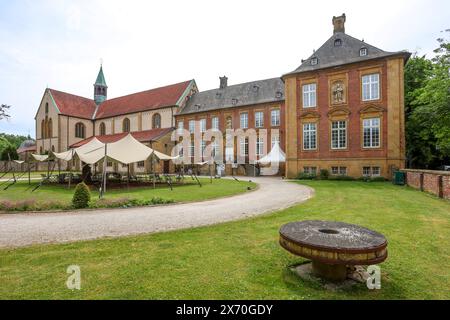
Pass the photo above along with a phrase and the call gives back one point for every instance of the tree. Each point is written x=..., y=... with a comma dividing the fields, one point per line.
x=9, y=151
x=427, y=107
x=4, y=112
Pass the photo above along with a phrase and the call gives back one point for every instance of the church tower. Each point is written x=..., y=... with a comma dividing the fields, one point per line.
x=100, y=87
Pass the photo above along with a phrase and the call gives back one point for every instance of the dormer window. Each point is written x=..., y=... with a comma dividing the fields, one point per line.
x=314, y=61
x=255, y=88
x=234, y=101
x=337, y=42
x=279, y=94
x=363, y=52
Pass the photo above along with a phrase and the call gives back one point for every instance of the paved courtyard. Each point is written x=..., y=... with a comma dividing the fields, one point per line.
x=18, y=230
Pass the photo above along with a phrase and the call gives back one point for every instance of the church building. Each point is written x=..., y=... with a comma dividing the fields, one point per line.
x=341, y=110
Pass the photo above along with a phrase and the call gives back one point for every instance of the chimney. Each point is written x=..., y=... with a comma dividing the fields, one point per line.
x=223, y=82
x=339, y=23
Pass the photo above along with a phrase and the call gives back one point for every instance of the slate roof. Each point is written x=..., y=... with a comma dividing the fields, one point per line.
x=143, y=101
x=141, y=136
x=250, y=93
x=72, y=105
x=329, y=55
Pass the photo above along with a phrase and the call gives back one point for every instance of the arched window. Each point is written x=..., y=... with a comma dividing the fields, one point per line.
x=156, y=121
x=126, y=125
x=46, y=108
x=80, y=130
x=43, y=129
x=49, y=128
x=102, y=129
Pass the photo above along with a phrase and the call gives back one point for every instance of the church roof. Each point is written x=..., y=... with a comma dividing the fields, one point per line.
x=101, y=78
x=147, y=100
x=72, y=105
x=250, y=93
x=141, y=136
x=348, y=51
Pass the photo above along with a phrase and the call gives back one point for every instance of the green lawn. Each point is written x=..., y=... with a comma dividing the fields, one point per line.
x=243, y=260
x=190, y=191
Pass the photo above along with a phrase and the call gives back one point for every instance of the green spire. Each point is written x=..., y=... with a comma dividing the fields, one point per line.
x=101, y=78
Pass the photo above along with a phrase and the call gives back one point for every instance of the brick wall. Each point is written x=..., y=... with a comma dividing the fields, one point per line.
x=434, y=182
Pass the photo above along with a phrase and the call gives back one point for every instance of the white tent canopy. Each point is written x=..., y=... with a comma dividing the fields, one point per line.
x=40, y=158
x=275, y=155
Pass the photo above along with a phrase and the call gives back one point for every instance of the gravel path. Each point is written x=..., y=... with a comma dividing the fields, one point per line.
x=18, y=230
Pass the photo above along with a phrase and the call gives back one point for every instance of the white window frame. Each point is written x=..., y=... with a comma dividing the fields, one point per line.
x=275, y=116
x=309, y=136
x=202, y=125
x=243, y=147
x=192, y=149
x=371, y=133
x=259, y=119
x=310, y=170
x=259, y=146
x=370, y=87
x=244, y=120
x=215, y=123
x=340, y=133
x=309, y=95
x=191, y=126
x=338, y=171
x=180, y=126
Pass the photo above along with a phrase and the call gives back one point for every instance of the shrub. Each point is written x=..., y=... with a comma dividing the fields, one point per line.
x=341, y=178
x=324, y=174
x=31, y=205
x=306, y=176
x=370, y=179
x=81, y=197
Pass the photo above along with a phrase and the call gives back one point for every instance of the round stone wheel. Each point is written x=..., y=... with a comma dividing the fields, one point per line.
x=333, y=245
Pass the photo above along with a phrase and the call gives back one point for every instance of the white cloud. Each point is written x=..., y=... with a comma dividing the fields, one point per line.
x=145, y=44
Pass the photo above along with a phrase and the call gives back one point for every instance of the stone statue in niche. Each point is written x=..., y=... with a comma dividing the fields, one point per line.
x=338, y=92
x=229, y=123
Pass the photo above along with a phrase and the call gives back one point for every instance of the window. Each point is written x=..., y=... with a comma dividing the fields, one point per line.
x=244, y=147
x=80, y=130
x=141, y=164
x=192, y=149
x=46, y=107
x=215, y=123
x=309, y=136
x=102, y=129
x=371, y=128
x=339, y=135
x=310, y=170
x=275, y=139
x=215, y=148
x=244, y=120
x=109, y=164
x=180, y=126
x=192, y=126
x=341, y=171
x=50, y=129
x=203, y=147
x=275, y=117
x=371, y=87
x=126, y=125
x=337, y=42
x=156, y=121
x=43, y=129
x=363, y=52
x=309, y=95
x=371, y=171
x=314, y=61
x=203, y=125
x=259, y=119
x=259, y=146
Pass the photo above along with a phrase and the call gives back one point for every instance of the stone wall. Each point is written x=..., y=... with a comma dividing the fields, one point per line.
x=434, y=182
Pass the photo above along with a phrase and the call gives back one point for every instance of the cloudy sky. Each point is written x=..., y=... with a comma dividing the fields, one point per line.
x=146, y=44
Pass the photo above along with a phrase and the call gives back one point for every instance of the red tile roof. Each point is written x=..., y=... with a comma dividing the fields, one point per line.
x=27, y=149
x=141, y=136
x=72, y=105
x=147, y=100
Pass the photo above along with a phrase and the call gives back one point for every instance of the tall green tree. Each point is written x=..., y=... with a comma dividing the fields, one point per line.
x=427, y=106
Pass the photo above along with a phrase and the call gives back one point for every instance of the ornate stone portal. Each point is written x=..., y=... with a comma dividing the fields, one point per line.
x=333, y=246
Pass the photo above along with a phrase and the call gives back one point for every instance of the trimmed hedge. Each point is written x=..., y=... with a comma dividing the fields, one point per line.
x=81, y=197
x=306, y=176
